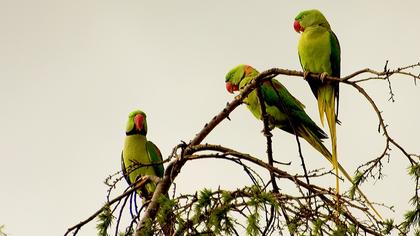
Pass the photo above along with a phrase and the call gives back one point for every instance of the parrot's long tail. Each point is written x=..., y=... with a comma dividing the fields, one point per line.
x=326, y=104
x=313, y=140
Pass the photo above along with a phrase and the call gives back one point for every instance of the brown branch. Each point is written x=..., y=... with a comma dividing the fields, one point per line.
x=384, y=128
x=268, y=136
x=382, y=75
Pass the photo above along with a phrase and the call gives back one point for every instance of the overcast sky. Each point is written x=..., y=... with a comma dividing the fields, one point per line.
x=71, y=71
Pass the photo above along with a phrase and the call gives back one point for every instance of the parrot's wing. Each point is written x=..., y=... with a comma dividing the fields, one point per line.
x=124, y=171
x=275, y=94
x=300, y=60
x=155, y=157
x=335, y=57
x=273, y=91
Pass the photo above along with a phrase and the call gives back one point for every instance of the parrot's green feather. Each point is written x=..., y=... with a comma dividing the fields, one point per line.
x=234, y=76
x=335, y=67
x=155, y=157
x=335, y=57
x=124, y=170
x=276, y=95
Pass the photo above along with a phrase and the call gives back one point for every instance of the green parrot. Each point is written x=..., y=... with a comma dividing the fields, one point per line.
x=285, y=112
x=319, y=52
x=137, y=151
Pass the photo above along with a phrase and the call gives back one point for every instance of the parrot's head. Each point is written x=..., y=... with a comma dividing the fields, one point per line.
x=310, y=18
x=136, y=123
x=236, y=75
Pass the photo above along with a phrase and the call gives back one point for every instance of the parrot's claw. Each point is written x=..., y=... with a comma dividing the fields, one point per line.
x=305, y=75
x=267, y=133
x=322, y=76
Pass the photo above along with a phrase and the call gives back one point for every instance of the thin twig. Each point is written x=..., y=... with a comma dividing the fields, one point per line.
x=139, y=184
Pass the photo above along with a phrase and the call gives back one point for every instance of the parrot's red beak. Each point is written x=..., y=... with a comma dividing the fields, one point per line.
x=138, y=121
x=298, y=27
x=231, y=88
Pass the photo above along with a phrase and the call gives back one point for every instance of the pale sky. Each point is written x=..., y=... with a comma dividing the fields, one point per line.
x=71, y=71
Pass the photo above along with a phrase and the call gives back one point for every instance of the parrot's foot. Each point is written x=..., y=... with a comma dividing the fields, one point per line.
x=267, y=133
x=322, y=76
x=337, y=212
x=305, y=75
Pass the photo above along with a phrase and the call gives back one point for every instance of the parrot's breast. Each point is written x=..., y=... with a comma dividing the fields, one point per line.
x=135, y=152
x=315, y=50
x=253, y=104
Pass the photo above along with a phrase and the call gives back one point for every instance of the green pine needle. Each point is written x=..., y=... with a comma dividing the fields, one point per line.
x=204, y=198
x=227, y=196
x=104, y=220
x=253, y=224
x=414, y=170
x=166, y=207
x=357, y=179
x=388, y=226
x=411, y=218
x=317, y=227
